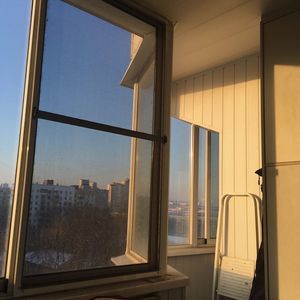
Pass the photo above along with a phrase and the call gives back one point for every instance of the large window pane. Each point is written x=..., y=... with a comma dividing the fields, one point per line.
x=214, y=183
x=201, y=184
x=84, y=61
x=79, y=198
x=14, y=28
x=180, y=183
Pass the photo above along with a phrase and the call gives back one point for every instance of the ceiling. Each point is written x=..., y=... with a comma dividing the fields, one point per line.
x=209, y=33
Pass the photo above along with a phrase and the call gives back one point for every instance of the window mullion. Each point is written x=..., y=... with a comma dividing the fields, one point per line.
x=194, y=185
x=54, y=117
x=207, y=186
x=132, y=173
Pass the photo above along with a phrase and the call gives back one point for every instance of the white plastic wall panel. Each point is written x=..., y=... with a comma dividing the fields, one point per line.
x=226, y=99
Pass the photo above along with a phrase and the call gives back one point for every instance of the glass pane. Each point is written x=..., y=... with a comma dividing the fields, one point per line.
x=201, y=184
x=214, y=183
x=80, y=182
x=145, y=101
x=84, y=61
x=142, y=189
x=14, y=27
x=180, y=183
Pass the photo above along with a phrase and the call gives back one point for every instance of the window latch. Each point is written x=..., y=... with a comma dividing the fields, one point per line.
x=34, y=112
x=164, y=139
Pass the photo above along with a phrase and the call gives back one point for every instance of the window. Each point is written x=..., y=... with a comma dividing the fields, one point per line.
x=180, y=183
x=194, y=185
x=83, y=143
x=91, y=152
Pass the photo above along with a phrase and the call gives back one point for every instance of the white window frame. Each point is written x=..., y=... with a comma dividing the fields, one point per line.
x=130, y=251
x=194, y=242
x=20, y=209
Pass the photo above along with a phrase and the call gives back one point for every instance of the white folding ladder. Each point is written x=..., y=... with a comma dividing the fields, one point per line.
x=232, y=275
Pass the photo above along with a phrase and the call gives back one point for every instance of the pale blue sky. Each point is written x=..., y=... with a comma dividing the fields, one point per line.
x=84, y=61
x=14, y=25
x=76, y=81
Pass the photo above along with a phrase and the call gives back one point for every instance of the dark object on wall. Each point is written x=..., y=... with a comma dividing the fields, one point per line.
x=258, y=285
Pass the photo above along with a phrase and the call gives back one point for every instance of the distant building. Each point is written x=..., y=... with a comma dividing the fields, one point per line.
x=88, y=193
x=48, y=199
x=5, y=195
x=84, y=183
x=118, y=196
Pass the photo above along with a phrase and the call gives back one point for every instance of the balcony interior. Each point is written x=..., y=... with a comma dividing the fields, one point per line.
x=216, y=85
x=217, y=79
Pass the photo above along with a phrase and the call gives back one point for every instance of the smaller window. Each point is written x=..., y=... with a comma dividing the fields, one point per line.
x=194, y=185
x=180, y=183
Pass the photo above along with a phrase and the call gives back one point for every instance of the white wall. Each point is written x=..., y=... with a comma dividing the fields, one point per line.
x=199, y=268
x=282, y=148
x=226, y=99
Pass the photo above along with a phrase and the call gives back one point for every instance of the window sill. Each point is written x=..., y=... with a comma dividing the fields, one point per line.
x=126, y=259
x=134, y=288
x=184, y=251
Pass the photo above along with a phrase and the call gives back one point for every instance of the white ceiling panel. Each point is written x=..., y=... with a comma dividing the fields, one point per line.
x=212, y=32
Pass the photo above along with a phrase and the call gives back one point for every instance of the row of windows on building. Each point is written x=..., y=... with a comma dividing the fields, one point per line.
x=48, y=198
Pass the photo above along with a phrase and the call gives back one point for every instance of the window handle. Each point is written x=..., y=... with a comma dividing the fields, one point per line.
x=34, y=112
x=164, y=139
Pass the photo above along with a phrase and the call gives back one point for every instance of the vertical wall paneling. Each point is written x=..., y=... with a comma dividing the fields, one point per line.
x=227, y=100
x=240, y=166
x=207, y=99
x=253, y=135
x=198, y=100
x=189, y=99
x=174, y=100
x=180, y=87
x=217, y=97
x=228, y=160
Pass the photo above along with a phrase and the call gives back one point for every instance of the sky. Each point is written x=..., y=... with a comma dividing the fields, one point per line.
x=84, y=61
x=14, y=25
